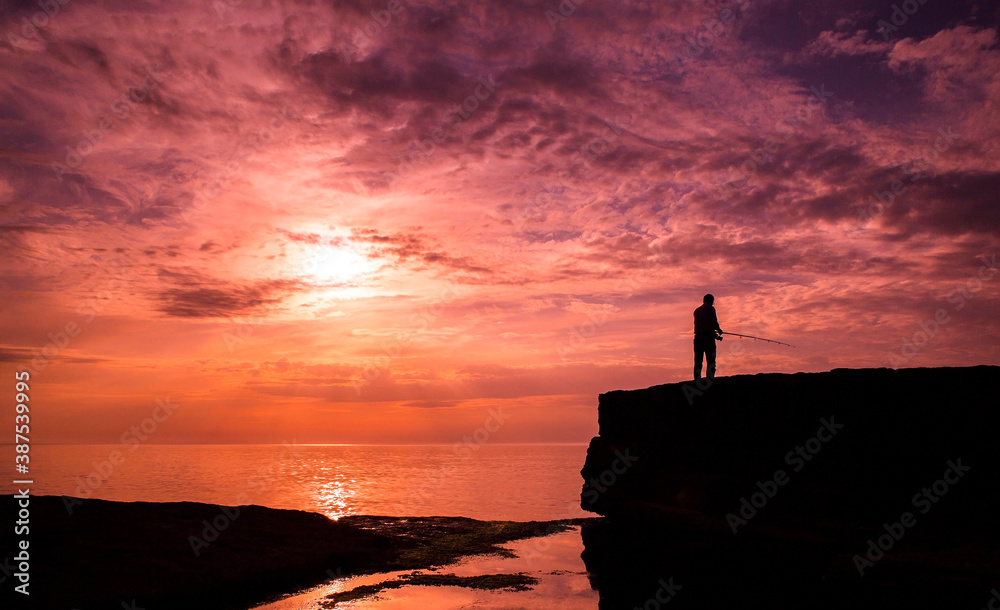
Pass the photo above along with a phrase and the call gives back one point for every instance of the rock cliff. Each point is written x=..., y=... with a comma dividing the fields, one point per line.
x=852, y=486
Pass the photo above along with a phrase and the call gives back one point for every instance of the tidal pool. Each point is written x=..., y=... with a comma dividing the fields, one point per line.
x=553, y=561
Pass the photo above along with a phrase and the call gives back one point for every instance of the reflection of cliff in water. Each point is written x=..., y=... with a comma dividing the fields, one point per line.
x=901, y=484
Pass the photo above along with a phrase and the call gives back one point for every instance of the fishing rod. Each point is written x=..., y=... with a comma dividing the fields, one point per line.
x=758, y=339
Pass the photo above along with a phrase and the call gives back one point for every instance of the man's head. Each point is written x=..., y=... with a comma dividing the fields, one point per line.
x=709, y=299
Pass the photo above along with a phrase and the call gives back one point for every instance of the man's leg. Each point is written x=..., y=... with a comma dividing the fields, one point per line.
x=698, y=352
x=710, y=359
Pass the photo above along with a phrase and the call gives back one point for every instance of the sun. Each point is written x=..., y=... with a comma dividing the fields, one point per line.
x=335, y=264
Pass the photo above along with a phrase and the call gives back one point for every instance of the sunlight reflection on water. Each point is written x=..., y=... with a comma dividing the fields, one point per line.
x=518, y=482
x=556, y=563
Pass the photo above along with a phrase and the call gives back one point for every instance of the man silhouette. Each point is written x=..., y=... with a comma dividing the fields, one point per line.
x=706, y=333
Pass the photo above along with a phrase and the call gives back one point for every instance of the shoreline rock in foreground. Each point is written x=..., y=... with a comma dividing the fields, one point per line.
x=108, y=553
x=142, y=554
x=858, y=487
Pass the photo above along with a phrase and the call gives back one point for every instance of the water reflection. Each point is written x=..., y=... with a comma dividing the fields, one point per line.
x=563, y=583
x=516, y=482
x=334, y=497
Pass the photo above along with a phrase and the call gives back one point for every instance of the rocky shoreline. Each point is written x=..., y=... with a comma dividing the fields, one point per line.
x=103, y=554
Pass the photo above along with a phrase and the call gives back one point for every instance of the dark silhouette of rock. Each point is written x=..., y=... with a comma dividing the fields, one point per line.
x=101, y=554
x=106, y=553
x=794, y=490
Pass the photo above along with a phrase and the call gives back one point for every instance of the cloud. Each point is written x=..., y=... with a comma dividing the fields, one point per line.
x=198, y=300
x=329, y=176
x=831, y=44
x=23, y=356
x=957, y=63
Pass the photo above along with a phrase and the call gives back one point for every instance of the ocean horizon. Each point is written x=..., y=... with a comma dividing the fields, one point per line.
x=521, y=482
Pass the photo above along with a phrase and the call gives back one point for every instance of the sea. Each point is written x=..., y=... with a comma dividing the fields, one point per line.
x=493, y=481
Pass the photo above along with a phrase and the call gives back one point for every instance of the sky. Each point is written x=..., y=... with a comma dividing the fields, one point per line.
x=417, y=221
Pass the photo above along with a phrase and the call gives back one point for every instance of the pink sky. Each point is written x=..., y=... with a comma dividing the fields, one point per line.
x=294, y=229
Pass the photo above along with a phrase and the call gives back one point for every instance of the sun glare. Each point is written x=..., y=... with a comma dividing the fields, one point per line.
x=335, y=265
